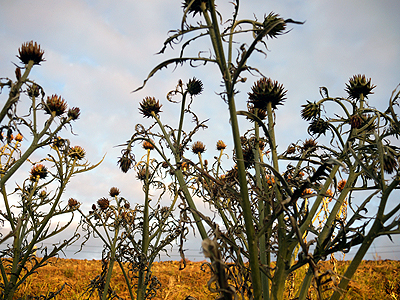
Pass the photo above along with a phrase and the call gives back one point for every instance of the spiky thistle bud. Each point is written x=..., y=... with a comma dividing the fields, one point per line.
x=147, y=145
x=38, y=171
x=103, y=203
x=195, y=7
x=194, y=86
x=359, y=85
x=274, y=25
x=310, y=145
x=148, y=106
x=198, y=147
x=72, y=203
x=126, y=161
x=310, y=111
x=74, y=113
x=55, y=104
x=318, y=126
x=220, y=145
x=77, y=152
x=33, y=91
x=30, y=51
x=356, y=121
x=266, y=91
x=114, y=192
x=389, y=163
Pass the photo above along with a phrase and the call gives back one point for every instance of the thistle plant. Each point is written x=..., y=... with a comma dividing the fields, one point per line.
x=133, y=237
x=298, y=216
x=29, y=208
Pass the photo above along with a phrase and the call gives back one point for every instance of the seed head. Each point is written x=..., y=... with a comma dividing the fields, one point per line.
x=77, y=152
x=114, y=192
x=72, y=203
x=147, y=145
x=276, y=24
x=141, y=175
x=38, y=171
x=19, y=137
x=389, y=163
x=74, y=113
x=356, y=121
x=195, y=7
x=126, y=161
x=310, y=145
x=310, y=111
x=103, y=203
x=220, y=145
x=55, y=104
x=266, y=91
x=318, y=126
x=358, y=85
x=341, y=184
x=149, y=105
x=194, y=87
x=30, y=51
x=198, y=147
x=33, y=91
x=261, y=114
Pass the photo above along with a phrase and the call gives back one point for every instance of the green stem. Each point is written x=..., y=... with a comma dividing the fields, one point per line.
x=141, y=287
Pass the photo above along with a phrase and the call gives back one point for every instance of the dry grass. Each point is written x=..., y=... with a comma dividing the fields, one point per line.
x=368, y=283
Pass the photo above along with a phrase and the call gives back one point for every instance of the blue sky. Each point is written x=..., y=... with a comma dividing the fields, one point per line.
x=97, y=52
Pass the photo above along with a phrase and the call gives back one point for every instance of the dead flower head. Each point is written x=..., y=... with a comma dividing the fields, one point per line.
x=266, y=91
x=148, y=106
x=359, y=85
x=30, y=51
x=38, y=171
x=198, y=147
x=55, y=104
x=77, y=152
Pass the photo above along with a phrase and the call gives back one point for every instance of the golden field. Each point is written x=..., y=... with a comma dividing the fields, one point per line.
x=373, y=280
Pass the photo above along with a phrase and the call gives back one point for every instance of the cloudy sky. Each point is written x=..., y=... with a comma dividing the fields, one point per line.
x=97, y=52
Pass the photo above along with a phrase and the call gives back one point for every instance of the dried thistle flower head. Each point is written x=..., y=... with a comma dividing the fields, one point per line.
x=55, y=104
x=307, y=192
x=126, y=161
x=30, y=51
x=72, y=203
x=195, y=7
x=261, y=114
x=359, y=85
x=221, y=145
x=275, y=24
x=59, y=142
x=310, y=111
x=341, y=185
x=266, y=91
x=389, y=163
x=318, y=126
x=38, y=171
x=19, y=137
x=198, y=147
x=77, y=152
x=148, y=106
x=147, y=145
x=33, y=91
x=103, y=203
x=310, y=145
x=74, y=113
x=291, y=149
x=141, y=175
x=194, y=87
x=114, y=192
